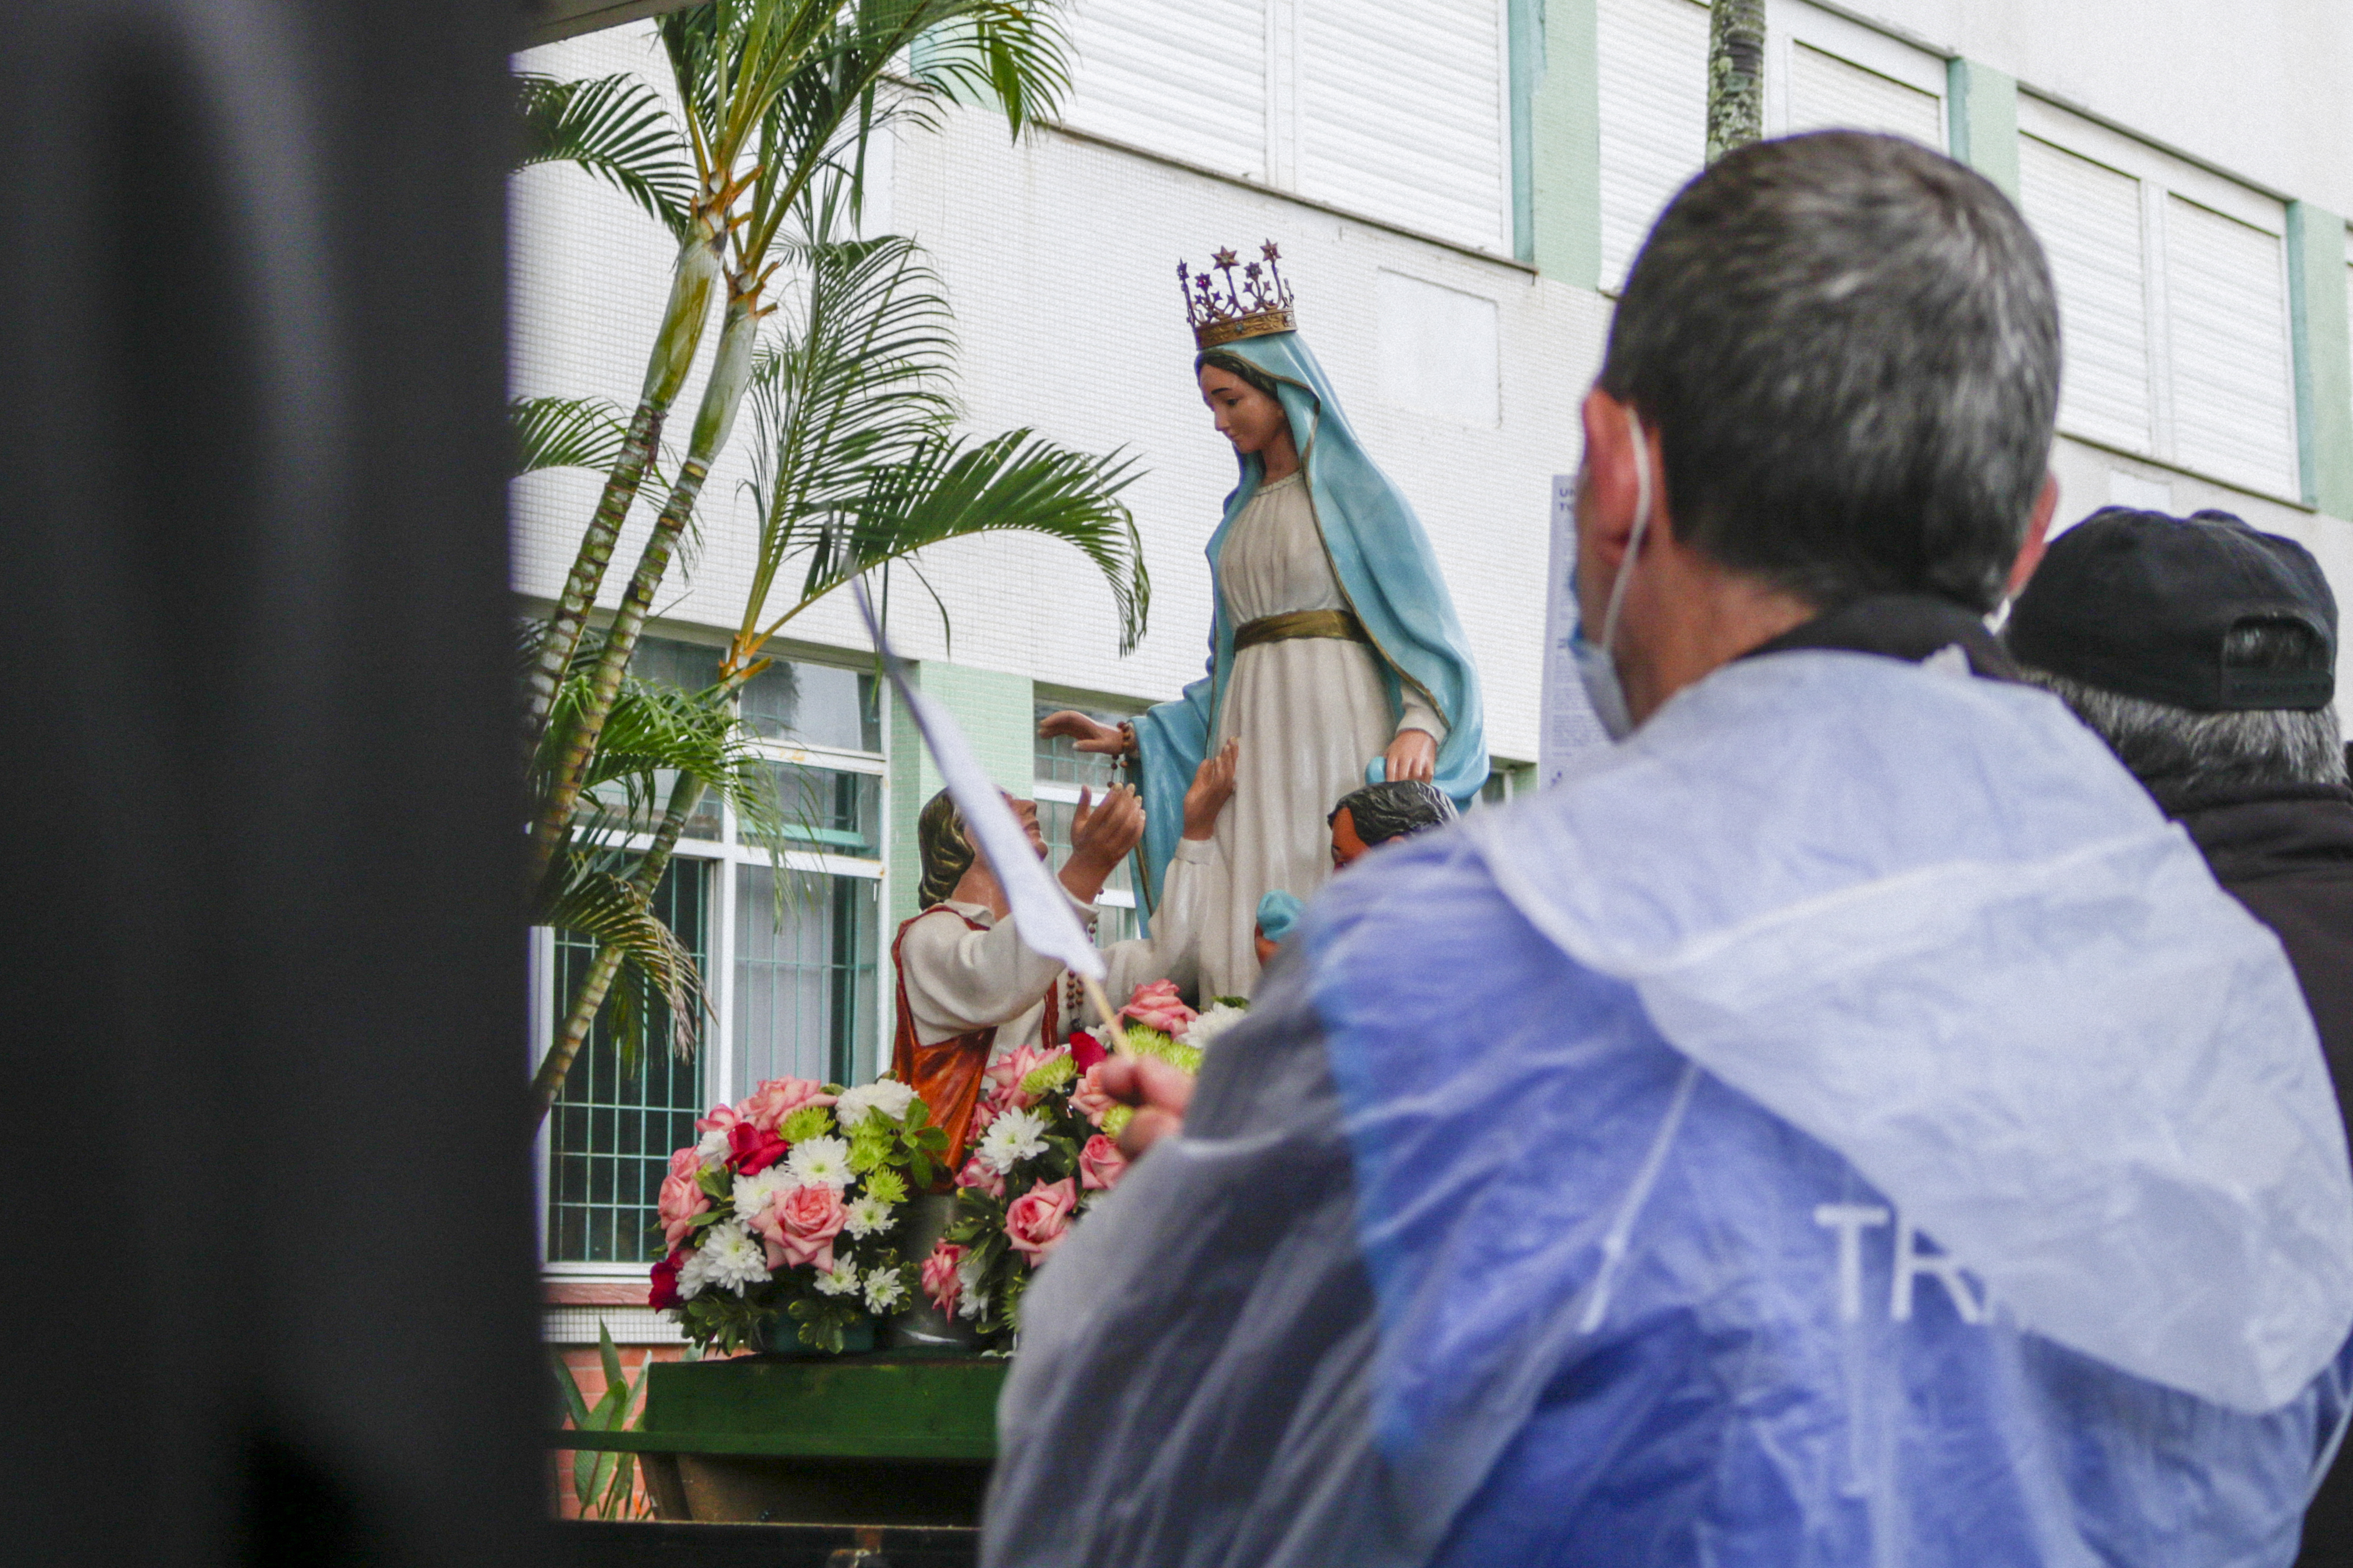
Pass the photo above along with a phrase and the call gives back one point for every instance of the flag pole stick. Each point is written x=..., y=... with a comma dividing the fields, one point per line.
x=1111, y=1018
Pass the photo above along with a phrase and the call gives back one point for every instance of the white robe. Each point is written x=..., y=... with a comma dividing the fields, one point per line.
x=959, y=980
x=1311, y=712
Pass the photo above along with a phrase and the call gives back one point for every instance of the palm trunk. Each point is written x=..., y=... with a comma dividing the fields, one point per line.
x=597, y=983
x=714, y=421
x=1735, y=74
x=692, y=280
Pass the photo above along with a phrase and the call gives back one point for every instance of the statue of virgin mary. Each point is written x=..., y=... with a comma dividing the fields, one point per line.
x=1336, y=656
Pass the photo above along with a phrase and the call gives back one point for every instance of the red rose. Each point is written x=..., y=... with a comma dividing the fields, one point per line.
x=1085, y=1050
x=751, y=1151
x=661, y=1291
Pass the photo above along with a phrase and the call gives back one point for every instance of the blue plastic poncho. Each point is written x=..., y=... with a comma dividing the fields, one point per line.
x=1844, y=1126
x=1387, y=571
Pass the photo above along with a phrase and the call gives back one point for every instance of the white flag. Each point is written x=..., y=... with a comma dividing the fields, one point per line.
x=1041, y=911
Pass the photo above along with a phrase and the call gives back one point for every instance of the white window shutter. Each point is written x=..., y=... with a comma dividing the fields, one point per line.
x=1187, y=82
x=2088, y=218
x=1653, y=69
x=2233, y=395
x=1826, y=92
x=1401, y=114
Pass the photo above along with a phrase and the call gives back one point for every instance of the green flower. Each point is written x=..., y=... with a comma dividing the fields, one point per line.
x=1044, y=1079
x=887, y=1186
x=809, y=1121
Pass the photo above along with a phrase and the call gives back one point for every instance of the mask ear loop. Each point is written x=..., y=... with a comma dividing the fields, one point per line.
x=1634, y=539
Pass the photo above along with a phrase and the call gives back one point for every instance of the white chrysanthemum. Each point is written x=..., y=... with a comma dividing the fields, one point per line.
x=884, y=1289
x=752, y=1194
x=888, y=1096
x=1016, y=1136
x=712, y=1147
x=866, y=1215
x=1211, y=1024
x=842, y=1281
x=695, y=1275
x=974, y=1306
x=820, y=1163
x=733, y=1257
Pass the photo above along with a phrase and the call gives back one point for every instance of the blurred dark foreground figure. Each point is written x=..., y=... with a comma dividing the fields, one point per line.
x=2205, y=654
x=1843, y=1124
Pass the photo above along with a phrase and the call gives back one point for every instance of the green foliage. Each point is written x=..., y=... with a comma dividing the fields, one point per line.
x=602, y=1482
x=565, y=433
x=617, y=129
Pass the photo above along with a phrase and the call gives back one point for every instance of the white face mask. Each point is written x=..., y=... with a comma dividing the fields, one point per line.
x=1597, y=663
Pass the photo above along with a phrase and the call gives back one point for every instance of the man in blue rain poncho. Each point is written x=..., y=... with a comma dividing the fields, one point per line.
x=1843, y=1125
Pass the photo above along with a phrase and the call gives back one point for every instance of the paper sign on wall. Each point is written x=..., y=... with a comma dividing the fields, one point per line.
x=1570, y=730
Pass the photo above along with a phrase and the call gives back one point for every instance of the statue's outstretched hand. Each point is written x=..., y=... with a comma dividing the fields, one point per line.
x=1104, y=740
x=1212, y=787
x=1101, y=833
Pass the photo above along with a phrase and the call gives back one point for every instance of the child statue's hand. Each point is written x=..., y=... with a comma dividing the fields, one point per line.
x=1212, y=787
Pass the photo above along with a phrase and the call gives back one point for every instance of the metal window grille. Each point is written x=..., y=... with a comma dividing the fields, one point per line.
x=622, y=1113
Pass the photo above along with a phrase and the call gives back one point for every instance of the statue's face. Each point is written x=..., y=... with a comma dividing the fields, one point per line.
x=1248, y=417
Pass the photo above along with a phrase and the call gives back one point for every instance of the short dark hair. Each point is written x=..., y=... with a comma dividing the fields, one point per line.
x=1385, y=811
x=1850, y=347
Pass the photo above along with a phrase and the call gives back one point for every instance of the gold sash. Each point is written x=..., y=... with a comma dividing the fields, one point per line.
x=1337, y=624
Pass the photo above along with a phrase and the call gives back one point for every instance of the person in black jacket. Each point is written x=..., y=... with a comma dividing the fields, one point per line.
x=2204, y=653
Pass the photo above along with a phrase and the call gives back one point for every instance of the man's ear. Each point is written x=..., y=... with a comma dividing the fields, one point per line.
x=1610, y=487
x=2038, y=536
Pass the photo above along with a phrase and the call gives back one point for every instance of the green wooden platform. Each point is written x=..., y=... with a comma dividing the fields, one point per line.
x=889, y=1438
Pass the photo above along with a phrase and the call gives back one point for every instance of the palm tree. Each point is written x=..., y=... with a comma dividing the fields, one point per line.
x=797, y=86
x=1735, y=74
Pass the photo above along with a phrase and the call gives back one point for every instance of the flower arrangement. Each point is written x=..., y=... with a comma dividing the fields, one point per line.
x=1044, y=1149
x=784, y=1207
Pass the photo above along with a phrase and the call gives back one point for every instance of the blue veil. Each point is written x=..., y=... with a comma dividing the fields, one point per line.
x=1385, y=569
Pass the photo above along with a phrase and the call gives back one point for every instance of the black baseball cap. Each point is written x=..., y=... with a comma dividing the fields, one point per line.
x=2139, y=603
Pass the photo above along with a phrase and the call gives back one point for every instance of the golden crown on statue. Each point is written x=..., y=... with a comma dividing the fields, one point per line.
x=1223, y=308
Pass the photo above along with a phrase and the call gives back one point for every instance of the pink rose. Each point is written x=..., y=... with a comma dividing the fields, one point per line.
x=982, y=1115
x=977, y=1173
x=941, y=1282
x=1008, y=1071
x=779, y=1098
x=1039, y=1219
x=799, y=1228
x=685, y=1162
x=752, y=1150
x=1089, y=1098
x=720, y=1118
x=1101, y=1164
x=1157, y=1006
x=682, y=1199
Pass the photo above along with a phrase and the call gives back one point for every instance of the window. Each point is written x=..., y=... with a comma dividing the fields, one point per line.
x=790, y=960
x=1653, y=66
x=1822, y=71
x=1061, y=771
x=2172, y=299
x=621, y=1112
x=1395, y=109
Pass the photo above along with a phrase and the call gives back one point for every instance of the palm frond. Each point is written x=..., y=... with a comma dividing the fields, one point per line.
x=618, y=129
x=956, y=487
x=859, y=381
x=655, y=732
x=565, y=433
x=597, y=902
